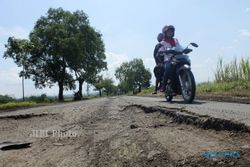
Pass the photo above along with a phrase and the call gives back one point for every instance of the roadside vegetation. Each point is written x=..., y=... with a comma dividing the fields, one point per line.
x=230, y=79
x=10, y=103
x=14, y=105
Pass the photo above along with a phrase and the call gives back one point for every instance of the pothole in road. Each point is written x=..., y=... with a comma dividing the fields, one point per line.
x=185, y=144
x=204, y=122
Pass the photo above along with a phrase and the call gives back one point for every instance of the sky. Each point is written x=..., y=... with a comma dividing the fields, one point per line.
x=130, y=27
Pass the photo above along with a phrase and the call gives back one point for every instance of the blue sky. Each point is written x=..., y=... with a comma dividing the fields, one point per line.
x=129, y=28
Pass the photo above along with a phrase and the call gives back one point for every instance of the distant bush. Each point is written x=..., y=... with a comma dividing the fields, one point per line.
x=40, y=99
x=5, y=99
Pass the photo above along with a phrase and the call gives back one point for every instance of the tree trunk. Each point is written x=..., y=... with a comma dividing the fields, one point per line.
x=100, y=92
x=61, y=82
x=60, y=95
x=139, y=88
x=80, y=86
x=23, y=86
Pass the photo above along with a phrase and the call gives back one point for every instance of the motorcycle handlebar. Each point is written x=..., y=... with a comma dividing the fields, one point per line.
x=174, y=52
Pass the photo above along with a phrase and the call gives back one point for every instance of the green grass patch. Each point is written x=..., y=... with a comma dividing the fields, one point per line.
x=12, y=105
x=237, y=88
x=147, y=91
x=233, y=71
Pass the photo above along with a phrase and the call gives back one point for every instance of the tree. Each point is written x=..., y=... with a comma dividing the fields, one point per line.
x=19, y=51
x=133, y=75
x=53, y=44
x=105, y=84
x=99, y=84
x=65, y=49
x=108, y=85
x=123, y=87
x=90, y=57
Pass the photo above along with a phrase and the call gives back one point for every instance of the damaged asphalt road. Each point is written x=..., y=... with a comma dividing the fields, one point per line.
x=127, y=131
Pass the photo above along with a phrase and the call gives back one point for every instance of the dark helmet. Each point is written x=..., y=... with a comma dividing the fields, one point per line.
x=160, y=37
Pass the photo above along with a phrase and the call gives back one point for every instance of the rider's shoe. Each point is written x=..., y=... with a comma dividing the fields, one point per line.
x=163, y=88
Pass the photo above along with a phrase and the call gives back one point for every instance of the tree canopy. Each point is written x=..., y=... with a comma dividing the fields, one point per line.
x=133, y=75
x=62, y=48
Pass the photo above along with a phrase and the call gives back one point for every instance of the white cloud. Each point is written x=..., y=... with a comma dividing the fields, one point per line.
x=17, y=31
x=245, y=32
x=226, y=48
x=1, y=48
x=247, y=10
x=235, y=41
x=10, y=76
x=115, y=60
x=11, y=84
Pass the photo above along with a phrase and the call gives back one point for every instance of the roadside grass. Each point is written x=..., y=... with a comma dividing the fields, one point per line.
x=233, y=71
x=147, y=91
x=231, y=78
x=36, y=101
x=233, y=88
x=12, y=105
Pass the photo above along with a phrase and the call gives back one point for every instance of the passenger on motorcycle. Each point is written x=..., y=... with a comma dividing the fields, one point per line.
x=168, y=42
x=158, y=69
x=160, y=38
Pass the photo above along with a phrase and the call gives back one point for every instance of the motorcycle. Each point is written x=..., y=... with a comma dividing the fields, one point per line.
x=181, y=80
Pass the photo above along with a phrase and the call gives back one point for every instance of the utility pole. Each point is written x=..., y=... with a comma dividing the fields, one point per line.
x=23, y=63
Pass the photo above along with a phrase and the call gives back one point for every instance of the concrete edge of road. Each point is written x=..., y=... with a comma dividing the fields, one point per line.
x=228, y=99
x=201, y=121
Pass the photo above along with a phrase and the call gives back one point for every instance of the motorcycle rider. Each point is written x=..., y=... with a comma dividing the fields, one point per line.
x=158, y=69
x=168, y=42
x=160, y=37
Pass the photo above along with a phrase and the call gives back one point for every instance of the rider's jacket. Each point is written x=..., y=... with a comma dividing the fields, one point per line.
x=167, y=44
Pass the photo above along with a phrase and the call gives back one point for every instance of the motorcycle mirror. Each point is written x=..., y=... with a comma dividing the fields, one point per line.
x=194, y=44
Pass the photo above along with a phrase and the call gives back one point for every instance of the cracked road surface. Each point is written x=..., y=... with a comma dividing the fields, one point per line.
x=127, y=131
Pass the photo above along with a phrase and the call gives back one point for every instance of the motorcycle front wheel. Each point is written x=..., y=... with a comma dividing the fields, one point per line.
x=188, y=86
x=168, y=98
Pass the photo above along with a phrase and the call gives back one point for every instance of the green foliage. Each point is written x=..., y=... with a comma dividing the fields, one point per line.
x=133, y=75
x=147, y=91
x=40, y=99
x=241, y=87
x=63, y=48
x=106, y=85
x=19, y=50
x=10, y=105
x=233, y=71
x=5, y=99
